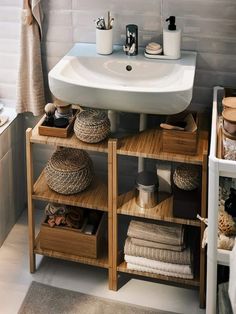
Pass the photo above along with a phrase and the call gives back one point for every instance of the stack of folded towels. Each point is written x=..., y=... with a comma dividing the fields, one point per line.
x=159, y=249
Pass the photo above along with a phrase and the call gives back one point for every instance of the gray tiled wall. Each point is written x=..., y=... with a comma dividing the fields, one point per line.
x=208, y=26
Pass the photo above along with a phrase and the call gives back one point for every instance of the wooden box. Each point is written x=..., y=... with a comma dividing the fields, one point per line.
x=73, y=241
x=180, y=142
x=57, y=132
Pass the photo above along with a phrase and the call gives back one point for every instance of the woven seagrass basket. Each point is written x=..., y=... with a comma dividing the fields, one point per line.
x=91, y=126
x=69, y=171
x=186, y=177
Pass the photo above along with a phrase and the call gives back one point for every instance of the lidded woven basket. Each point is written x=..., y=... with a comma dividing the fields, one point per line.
x=92, y=126
x=69, y=171
x=187, y=177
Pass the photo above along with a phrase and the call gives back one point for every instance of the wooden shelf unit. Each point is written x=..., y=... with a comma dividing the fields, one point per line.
x=147, y=144
x=104, y=196
x=96, y=196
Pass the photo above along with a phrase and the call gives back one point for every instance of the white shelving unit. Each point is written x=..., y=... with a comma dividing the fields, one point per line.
x=217, y=167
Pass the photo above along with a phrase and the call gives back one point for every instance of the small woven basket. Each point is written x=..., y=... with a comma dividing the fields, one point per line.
x=69, y=171
x=186, y=177
x=91, y=126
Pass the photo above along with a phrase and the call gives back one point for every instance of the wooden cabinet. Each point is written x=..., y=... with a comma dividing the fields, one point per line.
x=104, y=196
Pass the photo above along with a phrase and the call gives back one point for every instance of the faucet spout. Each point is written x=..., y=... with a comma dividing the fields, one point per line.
x=131, y=46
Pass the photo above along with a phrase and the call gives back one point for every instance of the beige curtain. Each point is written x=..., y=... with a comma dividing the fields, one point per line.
x=30, y=85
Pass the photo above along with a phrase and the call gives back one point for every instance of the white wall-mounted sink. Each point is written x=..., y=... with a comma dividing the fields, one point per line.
x=122, y=83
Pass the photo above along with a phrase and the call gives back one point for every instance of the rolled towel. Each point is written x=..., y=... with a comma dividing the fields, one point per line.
x=157, y=245
x=157, y=271
x=172, y=235
x=183, y=258
x=146, y=262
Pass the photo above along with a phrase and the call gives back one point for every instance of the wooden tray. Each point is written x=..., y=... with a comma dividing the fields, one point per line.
x=57, y=132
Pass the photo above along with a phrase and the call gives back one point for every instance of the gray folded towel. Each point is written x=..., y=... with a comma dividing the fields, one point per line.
x=167, y=256
x=157, y=245
x=172, y=235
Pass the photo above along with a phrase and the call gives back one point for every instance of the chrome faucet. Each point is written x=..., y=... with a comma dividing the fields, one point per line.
x=131, y=46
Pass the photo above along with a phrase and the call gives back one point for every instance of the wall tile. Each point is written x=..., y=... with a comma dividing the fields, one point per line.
x=209, y=9
x=8, y=61
x=9, y=30
x=59, y=34
x=56, y=5
x=9, y=14
x=11, y=3
x=58, y=18
x=10, y=46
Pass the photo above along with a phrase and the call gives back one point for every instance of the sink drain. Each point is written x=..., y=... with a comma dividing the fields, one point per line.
x=128, y=67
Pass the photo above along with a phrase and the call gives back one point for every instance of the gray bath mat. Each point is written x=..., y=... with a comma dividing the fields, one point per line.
x=44, y=299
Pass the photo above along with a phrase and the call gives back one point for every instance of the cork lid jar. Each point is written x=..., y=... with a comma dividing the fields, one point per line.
x=229, y=102
x=229, y=118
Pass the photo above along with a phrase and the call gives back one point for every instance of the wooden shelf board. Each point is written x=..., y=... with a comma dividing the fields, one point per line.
x=94, y=197
x=148, y=144
x=100, y=262
x=163, y=211
x=71, y=141
x=189, y=282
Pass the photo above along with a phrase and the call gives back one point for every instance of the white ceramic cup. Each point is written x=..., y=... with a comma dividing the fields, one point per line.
x=104, y=45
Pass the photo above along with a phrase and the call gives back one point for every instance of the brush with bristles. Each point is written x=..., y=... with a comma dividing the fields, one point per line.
x=49, y=109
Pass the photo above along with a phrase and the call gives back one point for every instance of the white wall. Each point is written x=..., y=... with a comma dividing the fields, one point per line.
x=9, y=49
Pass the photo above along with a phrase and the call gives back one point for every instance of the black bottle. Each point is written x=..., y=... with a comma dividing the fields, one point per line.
x=230, y=203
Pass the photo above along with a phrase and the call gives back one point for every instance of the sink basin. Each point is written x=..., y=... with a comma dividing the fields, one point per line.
x=122, y=83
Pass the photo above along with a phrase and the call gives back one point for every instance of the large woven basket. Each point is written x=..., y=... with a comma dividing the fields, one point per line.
x=69, y=171
x=187, y=177
x=92, y=126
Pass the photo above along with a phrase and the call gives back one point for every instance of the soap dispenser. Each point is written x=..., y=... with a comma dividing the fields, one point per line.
x=171, y=39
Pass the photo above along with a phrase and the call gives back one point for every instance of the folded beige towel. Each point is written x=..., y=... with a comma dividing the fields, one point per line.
x=167, y=256
x=157, y=271
x=157, y=245
x=173, y=234
x=146, y=262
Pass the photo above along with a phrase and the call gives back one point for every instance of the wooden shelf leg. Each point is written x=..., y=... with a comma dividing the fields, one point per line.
x=113, y=169
x=110, y=216
x=31, y=220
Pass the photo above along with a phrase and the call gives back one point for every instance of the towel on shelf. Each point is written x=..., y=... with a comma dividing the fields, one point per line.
x=157, y=245
x=30, y=83
x=162, y=266
x=173, y=234
x=157, y=271
x=184, y=257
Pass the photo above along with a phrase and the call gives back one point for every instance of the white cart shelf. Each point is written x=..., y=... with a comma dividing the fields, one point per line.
x=217, y=167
